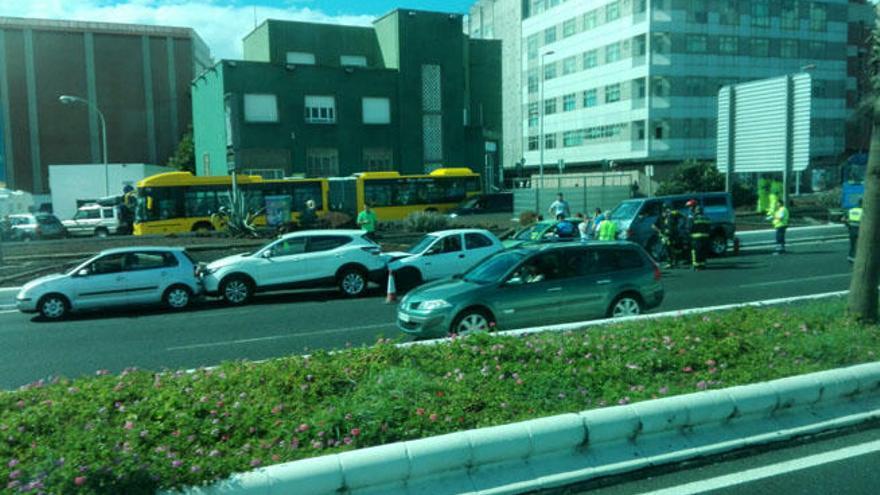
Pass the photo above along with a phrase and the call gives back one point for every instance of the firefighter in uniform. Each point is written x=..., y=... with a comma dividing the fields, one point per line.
x=700, y=229
x=668, y=227
x=853, y=220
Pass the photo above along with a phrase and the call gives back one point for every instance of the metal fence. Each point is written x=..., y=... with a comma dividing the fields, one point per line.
x=580, y=199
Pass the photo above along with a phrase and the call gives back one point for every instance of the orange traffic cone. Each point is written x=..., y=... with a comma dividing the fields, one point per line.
x=391, y=293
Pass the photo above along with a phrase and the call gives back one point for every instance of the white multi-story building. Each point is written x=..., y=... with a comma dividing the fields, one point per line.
x=636, y=81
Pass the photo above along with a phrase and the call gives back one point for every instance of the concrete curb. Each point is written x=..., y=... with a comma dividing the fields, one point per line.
x=561, y=450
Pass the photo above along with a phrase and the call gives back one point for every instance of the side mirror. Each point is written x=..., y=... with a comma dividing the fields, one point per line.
x=432, y=251
x=266, y=254
x=83, y=273
x=517, y=280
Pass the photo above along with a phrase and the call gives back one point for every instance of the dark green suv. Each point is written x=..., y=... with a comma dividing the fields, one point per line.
x=534, y=286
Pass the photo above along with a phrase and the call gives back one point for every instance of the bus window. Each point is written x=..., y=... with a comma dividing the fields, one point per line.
x=378, y=192
x=199, y=202
x=254, y=199
x=304, y=191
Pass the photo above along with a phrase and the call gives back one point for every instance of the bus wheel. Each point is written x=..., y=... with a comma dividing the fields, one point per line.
x=202, y=228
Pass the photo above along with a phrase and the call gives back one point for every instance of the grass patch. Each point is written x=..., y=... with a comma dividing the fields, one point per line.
x=139, y=431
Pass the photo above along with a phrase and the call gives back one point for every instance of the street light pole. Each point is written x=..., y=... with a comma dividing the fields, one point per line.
x=541, y=133
x=69, y=100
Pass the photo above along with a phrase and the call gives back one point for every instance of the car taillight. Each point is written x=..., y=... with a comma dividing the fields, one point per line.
x=657, y=273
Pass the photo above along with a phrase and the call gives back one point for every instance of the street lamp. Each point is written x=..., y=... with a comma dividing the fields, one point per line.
x=541, y=131
x=70, y=100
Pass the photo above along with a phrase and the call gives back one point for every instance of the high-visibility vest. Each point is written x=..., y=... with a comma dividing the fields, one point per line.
x=607, y=230
x=855, y=216
x=780, y=218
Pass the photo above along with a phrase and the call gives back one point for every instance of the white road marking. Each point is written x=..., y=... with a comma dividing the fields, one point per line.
x=796, y=280
x=770, y=471
x=279, y=337
x=8, y=311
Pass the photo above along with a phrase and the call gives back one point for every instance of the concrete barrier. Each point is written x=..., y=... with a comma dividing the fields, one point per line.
x=573, y=448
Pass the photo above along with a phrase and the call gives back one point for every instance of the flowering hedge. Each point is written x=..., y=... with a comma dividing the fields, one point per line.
x=139, y=431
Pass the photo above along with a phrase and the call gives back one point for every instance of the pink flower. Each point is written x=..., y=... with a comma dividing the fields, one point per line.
x=702, y=385
x=355, y=432
x=12, y=463
x=128, y=425
x=663, y=390
x=79, y=481
x=420, y=411
x=687, y=369
x=347, y=440
x=433, y=417
x=255, y=462
x=176, y=463
x=710, y=362
x=15, y=474
x=303, y=427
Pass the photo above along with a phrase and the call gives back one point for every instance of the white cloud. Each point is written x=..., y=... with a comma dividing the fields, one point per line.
x=221, y=24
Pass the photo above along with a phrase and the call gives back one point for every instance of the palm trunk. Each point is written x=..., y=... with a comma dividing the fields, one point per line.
x=866, y=269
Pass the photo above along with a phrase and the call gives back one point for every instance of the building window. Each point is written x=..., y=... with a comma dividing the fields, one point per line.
x=728, y=45
x=376, y=110
x=658, y=131
x=591, y=20
x=590, y=98
x=378, y=159
x=550, y=71
x=789, y=49
x=533, y=114
x=532, y=46
x=550, y=141
x=549, y=35
x=533, y=143
x=729, y=14
x=572, y=138
x=322, y=162
x=569, y=66
x=591, y=59
x=550, y=106
x=696, y=43
x=533, y=81
x=568, y=28
x=612, y=93
x=612, y=11
x=260, y=108
x=568, y=103
x=352, y=60
x=817, y=50
x=760, y=47
x=818, y=17
x=612, y=53
x=697, y=11
x=301, y=58
x=320, y=109
x=761, y=13
x=695, y=86
x=788, y=18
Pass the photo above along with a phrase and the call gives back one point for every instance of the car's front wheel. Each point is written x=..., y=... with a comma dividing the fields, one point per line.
x=352, y=282
x=625, y=305
x=236, y=290
x=53, y=307
x=718, y=244
x=177, y=297
x=471, y=321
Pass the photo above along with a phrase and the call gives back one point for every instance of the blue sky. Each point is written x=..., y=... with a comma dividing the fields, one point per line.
x=221, y=23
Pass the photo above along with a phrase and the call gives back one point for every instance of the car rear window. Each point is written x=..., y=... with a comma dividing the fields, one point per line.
x=326, y=242
x=476, y=241
x=592, y=261
x=47, y=220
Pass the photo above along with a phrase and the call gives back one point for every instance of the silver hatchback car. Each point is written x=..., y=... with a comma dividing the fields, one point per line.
x=534, y=286
x=115, y=277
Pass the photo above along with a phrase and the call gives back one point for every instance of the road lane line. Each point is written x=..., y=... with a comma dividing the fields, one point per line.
x=795, y=280
x=8, y=311
x=770, y=471
x=278, y=337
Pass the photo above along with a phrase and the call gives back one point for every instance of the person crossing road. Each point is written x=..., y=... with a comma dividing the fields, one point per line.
x=700, y=229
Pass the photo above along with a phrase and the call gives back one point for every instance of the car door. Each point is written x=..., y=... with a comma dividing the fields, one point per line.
x=148, y=273
x=588, y=278
x=477, y=247
x=529, y=296
x=284, y=263
x=444, y=258
x=323, y=256
x=85, y=221
x=103, y=282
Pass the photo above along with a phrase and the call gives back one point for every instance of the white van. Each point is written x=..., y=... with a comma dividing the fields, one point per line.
x=94, y=219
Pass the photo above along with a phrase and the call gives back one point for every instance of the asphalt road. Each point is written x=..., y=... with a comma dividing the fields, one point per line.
x=295, y=323
x=844, y=462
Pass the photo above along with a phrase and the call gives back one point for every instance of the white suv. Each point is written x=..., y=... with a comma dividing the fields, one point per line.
x=314, y=258
x=96, y=220
x=441, y=254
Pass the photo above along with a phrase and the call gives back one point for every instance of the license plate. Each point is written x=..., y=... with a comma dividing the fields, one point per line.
x=403, y=317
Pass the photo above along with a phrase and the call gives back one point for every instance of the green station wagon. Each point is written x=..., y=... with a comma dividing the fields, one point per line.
x=534, y=286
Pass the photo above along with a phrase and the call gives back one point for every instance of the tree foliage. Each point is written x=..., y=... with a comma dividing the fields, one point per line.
x=694, y=176
x=184, y=157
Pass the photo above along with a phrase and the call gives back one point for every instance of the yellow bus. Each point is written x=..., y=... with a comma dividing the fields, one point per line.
x=177, y=202
x=394, y=196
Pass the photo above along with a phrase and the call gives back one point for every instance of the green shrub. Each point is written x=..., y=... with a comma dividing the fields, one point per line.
x=139, y=431
x=425, y=221
x=695, y=176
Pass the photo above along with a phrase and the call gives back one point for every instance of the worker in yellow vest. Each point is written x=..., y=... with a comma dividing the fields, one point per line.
x=780, y=223
x=853, y=221
x=607, y=229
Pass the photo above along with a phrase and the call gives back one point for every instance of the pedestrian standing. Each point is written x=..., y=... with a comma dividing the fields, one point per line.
x=583, y=227
x=700, y=229
x=607, y=229
x=559, y=207
x=853, y=221
x=309, y=217
x=780, y=223
x=594, y=223
x=366, y=220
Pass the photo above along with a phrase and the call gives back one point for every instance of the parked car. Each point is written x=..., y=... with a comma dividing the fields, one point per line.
x=94, y=219
x=484, y=209
x=545, y=231
x=441, y=254
x=635, y=217
x=313, y=258
x=35, y=226
x=536, y=285
x=115, y=277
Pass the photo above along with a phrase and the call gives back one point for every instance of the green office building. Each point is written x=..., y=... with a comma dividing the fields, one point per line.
x=411, y=93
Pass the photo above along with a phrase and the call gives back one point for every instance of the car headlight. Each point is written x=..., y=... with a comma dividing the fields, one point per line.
x=209, y=270
x=433, y=304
